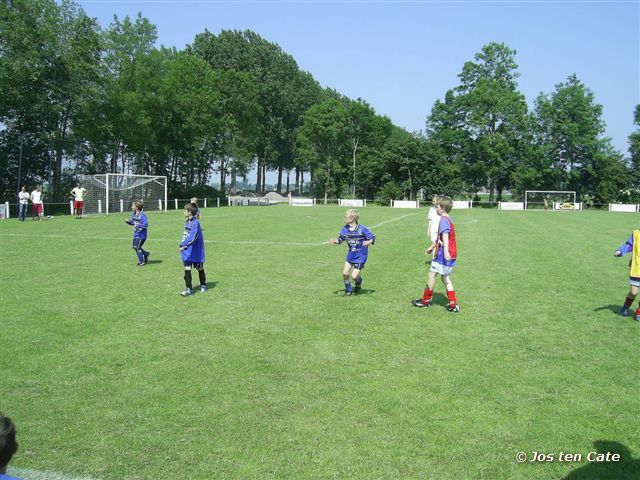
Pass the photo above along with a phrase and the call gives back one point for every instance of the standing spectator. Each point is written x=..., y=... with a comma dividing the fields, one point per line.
x=78, y=194
x=23, y=201
x=8, y=445
x=36, y=203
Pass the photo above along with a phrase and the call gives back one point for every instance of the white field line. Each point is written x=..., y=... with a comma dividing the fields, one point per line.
x=27, y=474
x=228, y=242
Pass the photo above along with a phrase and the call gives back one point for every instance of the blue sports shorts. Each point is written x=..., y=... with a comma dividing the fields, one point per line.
x=196, y=265
x=357, y=266
x=137, y=243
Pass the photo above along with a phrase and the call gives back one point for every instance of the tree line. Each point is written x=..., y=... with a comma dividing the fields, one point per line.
x=77, y=98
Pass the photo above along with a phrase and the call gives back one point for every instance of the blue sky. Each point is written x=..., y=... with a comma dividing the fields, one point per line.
x=401, y=56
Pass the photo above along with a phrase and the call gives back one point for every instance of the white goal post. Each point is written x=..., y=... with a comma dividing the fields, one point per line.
x=550, y=200
x=113, y=192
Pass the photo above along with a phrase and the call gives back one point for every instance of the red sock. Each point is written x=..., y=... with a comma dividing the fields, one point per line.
x=453, y=301
x=426, y=295
x=628, y=302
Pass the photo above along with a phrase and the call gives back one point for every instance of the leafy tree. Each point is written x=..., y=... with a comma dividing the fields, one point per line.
x=322, y=139
x=570, y=129
x=494, y=114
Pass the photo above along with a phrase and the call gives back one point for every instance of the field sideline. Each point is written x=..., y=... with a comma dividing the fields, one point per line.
x=109, y=373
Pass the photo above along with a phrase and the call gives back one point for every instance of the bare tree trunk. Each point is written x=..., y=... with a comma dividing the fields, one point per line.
x=233, y=186
x=259, y=175
x=264, y=179
x=288, y=172
x=223, y=174
x=279, y=188
x=355, y=149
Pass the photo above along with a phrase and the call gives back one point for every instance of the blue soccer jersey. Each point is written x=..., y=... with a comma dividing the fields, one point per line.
x=140, y=225
x=354, y=239
x=446, y=226
x=193, y=240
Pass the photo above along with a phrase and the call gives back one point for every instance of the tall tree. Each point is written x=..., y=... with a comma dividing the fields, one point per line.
x=570, y=129
x=322, y=137
x=494, y=113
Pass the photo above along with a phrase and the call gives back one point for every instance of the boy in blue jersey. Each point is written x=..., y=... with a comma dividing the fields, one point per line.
x=140, y=224
x=8, y=445
x=192, y=249
x=358, y=238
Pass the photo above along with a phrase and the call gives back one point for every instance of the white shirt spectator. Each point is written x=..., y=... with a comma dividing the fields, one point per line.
x=434, y=223
x=36, y=197
x=23, y=198
x=79, y=193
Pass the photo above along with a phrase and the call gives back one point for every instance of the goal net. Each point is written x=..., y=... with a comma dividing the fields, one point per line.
x=114, y=192
x=550, y=200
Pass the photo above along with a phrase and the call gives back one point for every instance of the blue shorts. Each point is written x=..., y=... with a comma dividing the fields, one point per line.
x=196, y=265
x=357, y=266
x=137, y=243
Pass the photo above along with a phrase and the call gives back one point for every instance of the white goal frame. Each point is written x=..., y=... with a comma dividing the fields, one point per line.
x=113, y=192
x=564, y=192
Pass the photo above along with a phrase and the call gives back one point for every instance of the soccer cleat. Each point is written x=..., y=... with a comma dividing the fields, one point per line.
x=347, y=293
x=141, y=264
x=358, y=287
x=637, y=316
x=454, y=309
x=624, y=311
x=146, y=257
x=203, y=288
x=186, y=292
x=421, y=303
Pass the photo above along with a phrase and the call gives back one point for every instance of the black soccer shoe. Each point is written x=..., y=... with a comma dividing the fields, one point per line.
x=420, y=304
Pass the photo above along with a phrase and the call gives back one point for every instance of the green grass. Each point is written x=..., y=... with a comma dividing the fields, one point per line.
x=109, y=373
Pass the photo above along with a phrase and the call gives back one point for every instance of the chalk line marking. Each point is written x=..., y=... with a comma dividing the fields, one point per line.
x=225, y=242
x=28, y=474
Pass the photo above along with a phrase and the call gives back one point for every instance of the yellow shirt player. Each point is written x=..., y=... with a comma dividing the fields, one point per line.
x=632, y=245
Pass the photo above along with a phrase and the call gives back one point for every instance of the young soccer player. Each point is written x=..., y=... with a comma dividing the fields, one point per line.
x=632, y=245
x=358, y=238
x=194, y=200
x=444, y=258
x=8, y=445
x=78, y=194
x=192, y=250
x=432, y=225
x=140, y=224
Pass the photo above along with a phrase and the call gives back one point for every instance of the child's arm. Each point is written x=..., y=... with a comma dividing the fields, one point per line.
x=191, y=238
x=144, y=223
x=370, y=237
x=625, y=248
x=445, y=244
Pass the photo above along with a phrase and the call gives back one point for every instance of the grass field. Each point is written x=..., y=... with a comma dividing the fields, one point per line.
x=108, y=373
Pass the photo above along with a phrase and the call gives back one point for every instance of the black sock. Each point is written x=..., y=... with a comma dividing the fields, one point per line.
x=187, y=279
x=203, y=277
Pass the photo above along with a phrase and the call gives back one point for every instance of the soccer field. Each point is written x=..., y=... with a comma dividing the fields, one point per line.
x=108, y=373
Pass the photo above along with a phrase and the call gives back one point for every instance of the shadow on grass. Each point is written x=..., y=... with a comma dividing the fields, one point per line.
x=151, y=262
x=364, y=291
x=612, y=308
x=626, y=468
